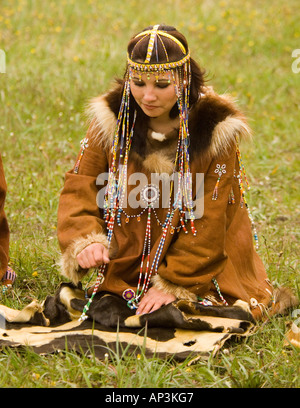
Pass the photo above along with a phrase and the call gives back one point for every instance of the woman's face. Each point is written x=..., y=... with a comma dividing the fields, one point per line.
x=155, y=94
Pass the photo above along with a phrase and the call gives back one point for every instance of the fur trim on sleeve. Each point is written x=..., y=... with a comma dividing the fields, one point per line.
x=103, y=121
x=223, y=135
x=69, y=266
x=284, y=300
x=168, y=287
x=102, y=112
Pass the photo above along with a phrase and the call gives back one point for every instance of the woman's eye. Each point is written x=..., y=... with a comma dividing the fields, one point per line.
x=162, y=85
x=138, y=83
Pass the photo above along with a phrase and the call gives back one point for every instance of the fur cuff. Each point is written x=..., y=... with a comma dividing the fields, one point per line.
x=284, y=300
x=69, y=266
x=168, y=287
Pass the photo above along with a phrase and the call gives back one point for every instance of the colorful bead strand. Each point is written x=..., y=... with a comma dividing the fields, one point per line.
x=84, y=145
x=219, y=291
x=242, y=192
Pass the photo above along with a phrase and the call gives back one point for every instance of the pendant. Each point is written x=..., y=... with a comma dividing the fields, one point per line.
x=150, y=194
x=128, y=294
x=219, y=170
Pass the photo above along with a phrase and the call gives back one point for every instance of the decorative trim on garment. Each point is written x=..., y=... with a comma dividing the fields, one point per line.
x=84, y=145
x=220, y=170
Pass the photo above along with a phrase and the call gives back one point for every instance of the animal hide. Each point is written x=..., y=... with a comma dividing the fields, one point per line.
x=180, y=329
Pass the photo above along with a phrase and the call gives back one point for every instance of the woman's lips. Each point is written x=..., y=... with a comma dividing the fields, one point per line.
x=149, y=107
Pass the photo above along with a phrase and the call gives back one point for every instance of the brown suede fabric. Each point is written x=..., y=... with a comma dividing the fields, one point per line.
x=223, y=247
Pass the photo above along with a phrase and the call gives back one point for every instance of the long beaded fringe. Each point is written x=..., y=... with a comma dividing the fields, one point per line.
x=117, y=182
x=241, y=175
x=112, y=188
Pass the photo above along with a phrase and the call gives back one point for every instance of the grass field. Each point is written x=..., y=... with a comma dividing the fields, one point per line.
x=59, y=54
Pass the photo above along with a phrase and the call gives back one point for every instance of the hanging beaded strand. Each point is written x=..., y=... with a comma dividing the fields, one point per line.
x=242, y=192
x=220, y=170
x=183, y=196
x=112, y=191
x=84, y=145
x=219, y=292
x=183, y=199
x=132, y=303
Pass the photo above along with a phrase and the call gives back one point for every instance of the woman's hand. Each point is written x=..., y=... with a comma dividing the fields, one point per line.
x=93, y=256
x=153, y=300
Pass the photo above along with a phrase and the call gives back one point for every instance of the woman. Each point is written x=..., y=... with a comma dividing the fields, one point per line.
x=161, y=123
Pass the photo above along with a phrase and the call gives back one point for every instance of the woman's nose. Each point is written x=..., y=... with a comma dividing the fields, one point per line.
x=149, y=94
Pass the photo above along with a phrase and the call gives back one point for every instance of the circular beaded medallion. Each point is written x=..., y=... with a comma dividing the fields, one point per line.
x=150, y=194
x=128, y=294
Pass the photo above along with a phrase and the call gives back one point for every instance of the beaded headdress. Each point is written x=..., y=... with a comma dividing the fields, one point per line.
x=181, y=199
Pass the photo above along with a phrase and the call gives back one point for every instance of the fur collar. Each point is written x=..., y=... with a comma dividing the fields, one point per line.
x=214, y=122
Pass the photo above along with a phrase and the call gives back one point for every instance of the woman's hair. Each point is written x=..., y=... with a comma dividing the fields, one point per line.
x=167, y=48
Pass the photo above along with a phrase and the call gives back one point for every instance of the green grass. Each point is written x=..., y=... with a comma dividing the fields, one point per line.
x=59, y=54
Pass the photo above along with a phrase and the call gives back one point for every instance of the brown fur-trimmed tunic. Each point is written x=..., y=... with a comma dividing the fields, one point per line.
x=223, y=247
x=4, y=230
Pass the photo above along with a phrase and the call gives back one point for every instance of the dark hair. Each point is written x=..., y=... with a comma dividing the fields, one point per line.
x=137, y=50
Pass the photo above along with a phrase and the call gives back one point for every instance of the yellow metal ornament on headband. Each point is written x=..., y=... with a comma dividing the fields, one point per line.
x=159, y=66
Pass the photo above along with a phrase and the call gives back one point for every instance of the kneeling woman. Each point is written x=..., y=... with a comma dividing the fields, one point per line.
x=156, y=232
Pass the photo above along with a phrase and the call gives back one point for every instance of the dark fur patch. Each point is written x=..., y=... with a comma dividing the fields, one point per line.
x=205, y=115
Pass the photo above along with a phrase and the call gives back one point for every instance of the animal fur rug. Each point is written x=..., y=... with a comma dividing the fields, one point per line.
x=178, y=330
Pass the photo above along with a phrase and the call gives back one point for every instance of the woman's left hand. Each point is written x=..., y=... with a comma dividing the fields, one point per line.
x=153, y=300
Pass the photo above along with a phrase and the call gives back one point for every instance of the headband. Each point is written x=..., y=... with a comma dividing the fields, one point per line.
x=146, y=65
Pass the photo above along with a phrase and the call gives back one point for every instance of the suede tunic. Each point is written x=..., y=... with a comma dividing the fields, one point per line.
x=223, y=248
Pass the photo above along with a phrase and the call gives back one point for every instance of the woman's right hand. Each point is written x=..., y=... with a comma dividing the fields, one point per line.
x=93, y=256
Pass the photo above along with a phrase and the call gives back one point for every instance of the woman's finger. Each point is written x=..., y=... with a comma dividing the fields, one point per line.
x=82, y=260
x=93, y=256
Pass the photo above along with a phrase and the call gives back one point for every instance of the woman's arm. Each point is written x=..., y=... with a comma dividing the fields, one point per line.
x=80, y=223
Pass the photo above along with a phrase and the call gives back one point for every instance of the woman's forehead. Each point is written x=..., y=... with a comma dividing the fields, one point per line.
x=155, y=76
